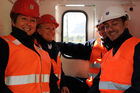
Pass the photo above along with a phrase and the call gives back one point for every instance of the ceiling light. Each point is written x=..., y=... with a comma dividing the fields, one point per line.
x=77, y=5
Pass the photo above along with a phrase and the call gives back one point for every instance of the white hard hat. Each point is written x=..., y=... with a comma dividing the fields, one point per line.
x=112, y=13
x=98, y=22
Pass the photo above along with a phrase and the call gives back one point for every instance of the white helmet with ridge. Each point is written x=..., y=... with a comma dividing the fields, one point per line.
x=112, y=13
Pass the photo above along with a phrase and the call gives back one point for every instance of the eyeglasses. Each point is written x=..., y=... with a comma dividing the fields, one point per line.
x=112, y=25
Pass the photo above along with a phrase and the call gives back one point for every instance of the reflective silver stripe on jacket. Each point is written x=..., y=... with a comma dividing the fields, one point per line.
x=45, y=77
x=16, y=42
x=57, y=76
x=92, y=75
x=24, y=79
x=46, y=92
x=95, y=65
x=112, y=85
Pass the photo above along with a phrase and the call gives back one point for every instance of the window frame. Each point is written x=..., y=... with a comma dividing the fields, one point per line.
x=86, y=33
x=86, y=29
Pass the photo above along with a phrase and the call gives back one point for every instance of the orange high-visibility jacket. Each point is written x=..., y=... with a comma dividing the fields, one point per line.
x=57, y=68
x=26, y=71
x=117, y=70
x=98, y=51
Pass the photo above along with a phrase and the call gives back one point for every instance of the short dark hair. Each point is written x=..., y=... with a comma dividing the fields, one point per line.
x=14, y=16
x=124, y=18
x=38, y=26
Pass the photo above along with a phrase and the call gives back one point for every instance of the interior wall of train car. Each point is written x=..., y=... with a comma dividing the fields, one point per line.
x=54, y=7
x=49, y=6
x=80, y=67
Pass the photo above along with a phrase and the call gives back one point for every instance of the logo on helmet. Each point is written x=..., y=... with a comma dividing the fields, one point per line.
x=107, y=13
x=52, y=18
x=31, y=6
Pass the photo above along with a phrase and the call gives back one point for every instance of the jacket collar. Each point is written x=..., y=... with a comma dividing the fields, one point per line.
x=22, y=37
x=124, y=36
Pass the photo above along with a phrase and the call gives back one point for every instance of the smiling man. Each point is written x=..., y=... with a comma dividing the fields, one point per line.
x=120, y=66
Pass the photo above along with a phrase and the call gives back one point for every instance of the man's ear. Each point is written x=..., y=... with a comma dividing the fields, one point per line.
x=126, y=24
x=38, y=30
x=13, y=23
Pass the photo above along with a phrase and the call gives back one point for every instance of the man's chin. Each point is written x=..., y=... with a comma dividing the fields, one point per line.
x=29, y=34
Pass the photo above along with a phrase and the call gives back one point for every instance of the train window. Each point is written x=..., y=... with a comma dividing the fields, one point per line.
x=74, y=26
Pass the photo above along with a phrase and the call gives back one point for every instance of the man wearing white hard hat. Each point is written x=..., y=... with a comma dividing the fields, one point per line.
x=120, y=69
x=92, y=50
x=24, y=67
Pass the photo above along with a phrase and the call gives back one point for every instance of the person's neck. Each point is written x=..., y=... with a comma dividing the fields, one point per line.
x=124, y=36
x=22, y=36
